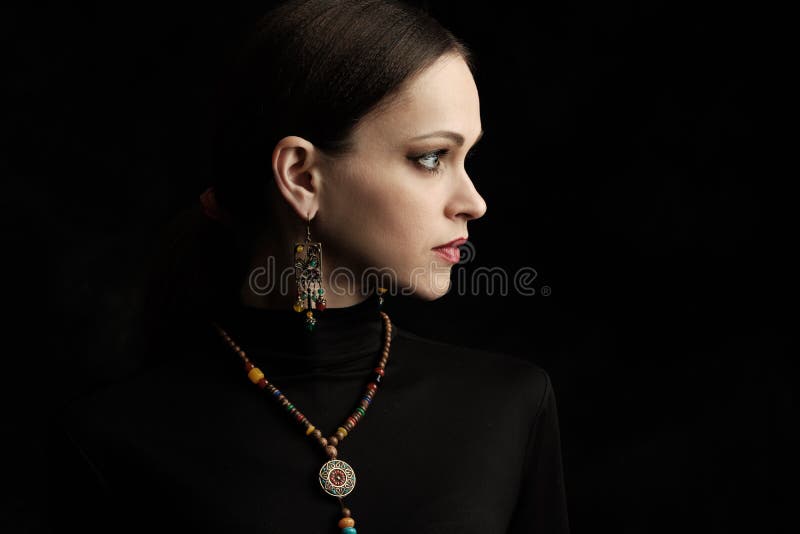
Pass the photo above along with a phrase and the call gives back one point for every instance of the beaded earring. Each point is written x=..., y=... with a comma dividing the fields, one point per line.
x=308, y=273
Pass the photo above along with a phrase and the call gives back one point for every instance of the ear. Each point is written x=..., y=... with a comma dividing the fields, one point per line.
x=294, y=166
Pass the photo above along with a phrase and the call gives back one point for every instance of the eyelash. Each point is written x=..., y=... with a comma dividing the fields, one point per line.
x=439, y=153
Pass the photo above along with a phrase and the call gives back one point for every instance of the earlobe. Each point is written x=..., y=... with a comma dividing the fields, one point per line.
x=294, y=170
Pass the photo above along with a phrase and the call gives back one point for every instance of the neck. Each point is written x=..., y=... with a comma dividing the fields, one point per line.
x=270, y=284
x=276, y=300
x=344, y=337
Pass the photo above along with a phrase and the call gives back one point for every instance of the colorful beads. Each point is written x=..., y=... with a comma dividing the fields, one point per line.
x=255, y=375
x=310, y=320
x=347, y=524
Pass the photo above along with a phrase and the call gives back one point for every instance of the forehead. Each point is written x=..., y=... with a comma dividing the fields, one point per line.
x=442, y=97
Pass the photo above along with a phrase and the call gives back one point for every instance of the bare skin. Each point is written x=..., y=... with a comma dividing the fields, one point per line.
x=380, y=207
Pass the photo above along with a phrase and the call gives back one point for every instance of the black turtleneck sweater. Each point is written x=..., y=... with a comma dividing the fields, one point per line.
x=456, y=440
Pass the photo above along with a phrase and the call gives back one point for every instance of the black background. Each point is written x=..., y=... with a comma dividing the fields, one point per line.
x=620, y=162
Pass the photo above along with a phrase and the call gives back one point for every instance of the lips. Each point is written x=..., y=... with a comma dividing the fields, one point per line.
x=449, y=251
x=454, y=243
x=450, y=254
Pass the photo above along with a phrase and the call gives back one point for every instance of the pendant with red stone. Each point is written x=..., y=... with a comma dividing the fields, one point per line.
x=337, y=478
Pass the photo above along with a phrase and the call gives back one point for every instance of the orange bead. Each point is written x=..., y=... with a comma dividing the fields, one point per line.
x=346, y=522
x=255, y=375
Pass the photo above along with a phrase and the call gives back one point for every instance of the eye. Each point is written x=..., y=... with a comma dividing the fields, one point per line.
x=430, y=162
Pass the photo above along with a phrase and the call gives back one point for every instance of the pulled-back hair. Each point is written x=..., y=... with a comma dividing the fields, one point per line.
x=314, y=69
x=310, y=68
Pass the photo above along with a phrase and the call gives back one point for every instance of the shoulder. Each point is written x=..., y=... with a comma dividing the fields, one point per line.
x=518, y=378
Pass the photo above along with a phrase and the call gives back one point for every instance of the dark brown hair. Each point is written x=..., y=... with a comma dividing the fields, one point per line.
x=314, y=69
x=311, y=68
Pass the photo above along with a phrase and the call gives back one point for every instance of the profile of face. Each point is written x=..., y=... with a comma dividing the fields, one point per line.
x=402, y=191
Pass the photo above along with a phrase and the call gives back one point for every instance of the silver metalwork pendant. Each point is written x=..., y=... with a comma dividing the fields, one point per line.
x=337, y=478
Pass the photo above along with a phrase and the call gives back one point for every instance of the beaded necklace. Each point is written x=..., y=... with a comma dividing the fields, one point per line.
x=336, y=477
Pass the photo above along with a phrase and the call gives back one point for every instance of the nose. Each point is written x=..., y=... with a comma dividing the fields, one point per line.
x=466, y=202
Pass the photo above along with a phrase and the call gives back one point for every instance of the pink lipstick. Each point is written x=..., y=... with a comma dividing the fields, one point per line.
x=449, y=251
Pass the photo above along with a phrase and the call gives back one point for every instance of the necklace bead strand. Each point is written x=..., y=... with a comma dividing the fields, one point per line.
x=329, y=444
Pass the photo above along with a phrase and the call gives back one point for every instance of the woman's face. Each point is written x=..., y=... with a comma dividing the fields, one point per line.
x=404, y=190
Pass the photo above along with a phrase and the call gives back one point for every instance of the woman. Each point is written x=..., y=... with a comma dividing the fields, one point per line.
x=345, y=124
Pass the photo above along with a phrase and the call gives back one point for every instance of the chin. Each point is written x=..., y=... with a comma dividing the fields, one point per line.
x=433, y=291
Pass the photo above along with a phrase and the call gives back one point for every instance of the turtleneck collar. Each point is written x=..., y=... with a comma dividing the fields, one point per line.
x=342, y=337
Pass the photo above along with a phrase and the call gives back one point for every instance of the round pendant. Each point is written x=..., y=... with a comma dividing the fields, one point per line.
x=337, y=478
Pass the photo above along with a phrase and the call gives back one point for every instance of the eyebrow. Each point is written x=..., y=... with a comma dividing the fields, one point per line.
x=455, y=136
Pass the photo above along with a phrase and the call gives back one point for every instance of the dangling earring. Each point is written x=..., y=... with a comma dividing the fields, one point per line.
x=308, y=273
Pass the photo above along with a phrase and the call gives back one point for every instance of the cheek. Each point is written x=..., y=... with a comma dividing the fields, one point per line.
x=382, y=222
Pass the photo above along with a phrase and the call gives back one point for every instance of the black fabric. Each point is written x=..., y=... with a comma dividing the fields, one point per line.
x=457, y=440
